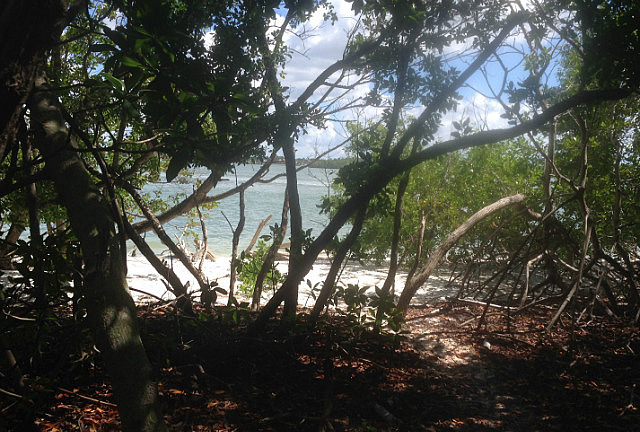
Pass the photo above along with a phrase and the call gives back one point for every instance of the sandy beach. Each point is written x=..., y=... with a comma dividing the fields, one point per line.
x=146, y=285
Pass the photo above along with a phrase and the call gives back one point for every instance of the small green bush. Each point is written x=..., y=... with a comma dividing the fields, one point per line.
x=248, y=267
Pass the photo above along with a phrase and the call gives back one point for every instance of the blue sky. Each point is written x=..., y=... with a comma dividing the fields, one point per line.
x=323, y=44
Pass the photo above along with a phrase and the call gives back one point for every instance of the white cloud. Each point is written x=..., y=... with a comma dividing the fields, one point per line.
x=323, y=44
x=483, y=113
x=317, y=44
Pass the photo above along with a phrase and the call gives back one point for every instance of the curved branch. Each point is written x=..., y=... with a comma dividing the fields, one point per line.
x=389, y=168
x=421, y=276
x=200, y=196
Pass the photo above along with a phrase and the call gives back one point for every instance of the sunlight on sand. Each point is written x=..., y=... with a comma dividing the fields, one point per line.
x=143, y=280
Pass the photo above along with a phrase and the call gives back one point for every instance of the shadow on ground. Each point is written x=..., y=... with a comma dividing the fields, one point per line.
x=442, y=376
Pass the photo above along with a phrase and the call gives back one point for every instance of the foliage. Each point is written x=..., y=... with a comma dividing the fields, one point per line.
x=144, y=92
x=248, y=267
x=234, y=313
x=209, y=297
x=332, y=164
x=51, y=263
x=614, y=161
x=375, y=310
x=445, y=190
x=611, y=40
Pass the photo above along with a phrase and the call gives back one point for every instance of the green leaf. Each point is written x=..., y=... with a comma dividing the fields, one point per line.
x=116, y=35
x=92, y=82
x=116, y=83
x=177, y=163
x=128, y=61
x=130, y=108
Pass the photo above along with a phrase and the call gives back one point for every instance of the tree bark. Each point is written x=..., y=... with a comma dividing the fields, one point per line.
x=234, y=248
x=271, y=255
x=395, y=239
x=297, y=236
x=7, y=245
x=183, y=302
x=330, y=280
x=27, y=28
x=31, y=195
x=205, y=239
x=421, y=276
x=111, y=311
x=419, y=246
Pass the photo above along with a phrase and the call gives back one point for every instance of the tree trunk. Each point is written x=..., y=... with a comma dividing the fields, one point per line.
x=330, y=280
x=7, y=245
x=421, y=276
x=183, y=302
x=395, y=239
x=419, y=246
x=111, y=311
x=39, y=282
x=297, y=236
x=205, y=238
x=271, y=255
x=234, y=248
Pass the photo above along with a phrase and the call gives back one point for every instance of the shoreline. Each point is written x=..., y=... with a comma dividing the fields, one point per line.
x=147, y=286
x=142, y=280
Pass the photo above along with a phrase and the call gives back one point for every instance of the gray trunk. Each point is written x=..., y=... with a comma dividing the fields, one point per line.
x=420, y=277
x=111, y=311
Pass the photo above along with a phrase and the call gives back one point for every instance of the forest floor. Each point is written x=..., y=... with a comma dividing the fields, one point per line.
x=444, y=375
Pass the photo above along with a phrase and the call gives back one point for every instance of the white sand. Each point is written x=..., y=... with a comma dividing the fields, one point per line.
x=143, y=280
x=147, y=286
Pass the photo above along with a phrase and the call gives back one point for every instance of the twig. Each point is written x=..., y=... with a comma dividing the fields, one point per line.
x=373, y=363
x=254, y=239
x=203, y=226
x=12, y=394
x=148, y=294
x=8, y=407
x=17, y=317
x=475, y=317
x=512, y=338
x=89, y=398
x=484, y=303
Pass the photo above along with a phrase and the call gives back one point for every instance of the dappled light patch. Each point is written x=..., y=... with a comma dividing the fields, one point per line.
x=213, y=378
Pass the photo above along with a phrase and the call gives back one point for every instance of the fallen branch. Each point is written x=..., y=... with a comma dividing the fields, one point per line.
x=483, y=303
x=12, y=394
x=256, y=235
x=89, y=398
x=147, y=293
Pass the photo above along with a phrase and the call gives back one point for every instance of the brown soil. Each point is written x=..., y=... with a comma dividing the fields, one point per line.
x=444, y=375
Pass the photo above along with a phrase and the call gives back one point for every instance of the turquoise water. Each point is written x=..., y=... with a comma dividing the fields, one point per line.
x=261, y=200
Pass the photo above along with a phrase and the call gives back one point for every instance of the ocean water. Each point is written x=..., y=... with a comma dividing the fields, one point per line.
x=261, y=200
